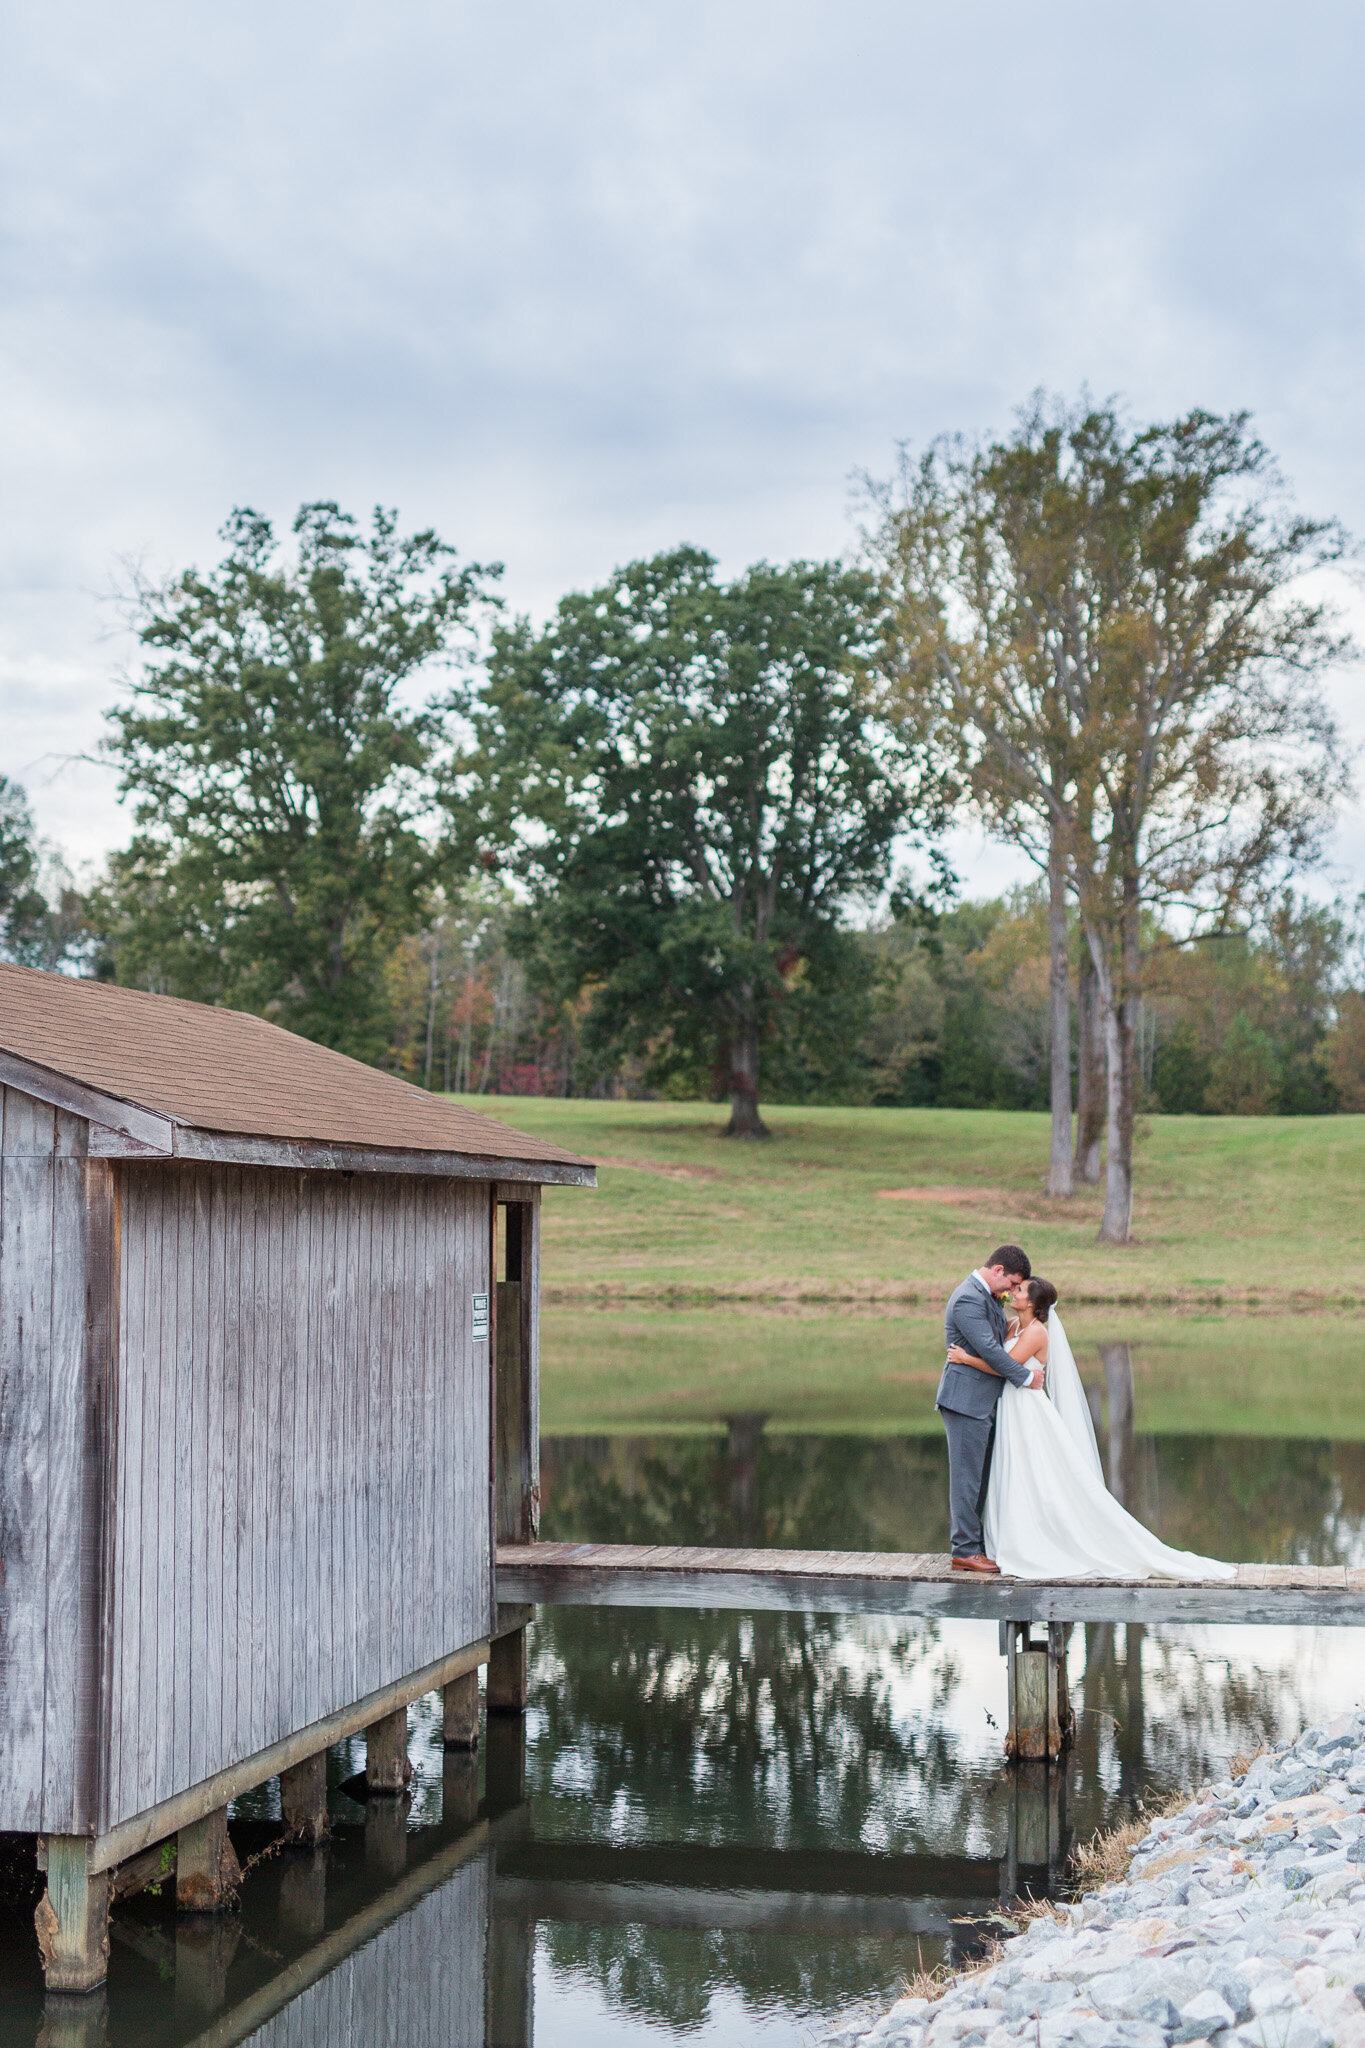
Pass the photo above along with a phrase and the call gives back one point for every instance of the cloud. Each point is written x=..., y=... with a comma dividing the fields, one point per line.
x=573, y=284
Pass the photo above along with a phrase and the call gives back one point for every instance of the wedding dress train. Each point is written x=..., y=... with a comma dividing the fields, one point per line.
x=1049, y=1514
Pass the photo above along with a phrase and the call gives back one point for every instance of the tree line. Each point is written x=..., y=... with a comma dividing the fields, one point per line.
x=686, y=835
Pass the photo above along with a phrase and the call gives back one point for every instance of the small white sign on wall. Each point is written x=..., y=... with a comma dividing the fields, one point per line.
x=480, y=1322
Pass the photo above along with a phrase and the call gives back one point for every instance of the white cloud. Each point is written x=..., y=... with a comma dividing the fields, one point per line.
x=573, y=284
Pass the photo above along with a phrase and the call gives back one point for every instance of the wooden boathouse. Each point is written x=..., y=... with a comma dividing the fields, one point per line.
x=266, y=1407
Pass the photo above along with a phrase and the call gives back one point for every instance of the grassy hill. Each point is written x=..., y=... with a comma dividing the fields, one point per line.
x=894, y=1205
x=706, y=1277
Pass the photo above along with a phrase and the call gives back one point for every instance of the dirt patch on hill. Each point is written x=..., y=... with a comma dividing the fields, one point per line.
x=958, y=1198
x=666, y=1169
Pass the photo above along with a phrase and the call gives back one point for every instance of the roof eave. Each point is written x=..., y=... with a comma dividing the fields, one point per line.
x=233, y=1148
x=142, y=1130
x=124, y=1130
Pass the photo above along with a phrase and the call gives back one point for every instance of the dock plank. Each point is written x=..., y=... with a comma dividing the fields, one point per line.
x=893, y=1582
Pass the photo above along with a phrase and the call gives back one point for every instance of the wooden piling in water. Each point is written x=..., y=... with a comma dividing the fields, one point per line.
x=1036, y=1683
x=207, y=1873
x=508, y=1688
x=72, y=1917
x=388, y=1768
x=303, y=1800
x=460, y=1712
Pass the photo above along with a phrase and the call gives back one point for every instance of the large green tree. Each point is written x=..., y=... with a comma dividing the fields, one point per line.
x=1110, y=623
x=691, y=780
x=280, y=773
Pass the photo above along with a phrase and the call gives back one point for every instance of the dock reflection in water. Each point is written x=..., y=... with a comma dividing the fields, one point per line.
x=720, y=1828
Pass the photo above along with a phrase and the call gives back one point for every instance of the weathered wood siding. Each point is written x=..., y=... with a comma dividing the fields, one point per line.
x=300, y=1502
x=419, y=1983
x=44, y=1421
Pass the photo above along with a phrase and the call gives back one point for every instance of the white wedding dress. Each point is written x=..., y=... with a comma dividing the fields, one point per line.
x=1049, y=1514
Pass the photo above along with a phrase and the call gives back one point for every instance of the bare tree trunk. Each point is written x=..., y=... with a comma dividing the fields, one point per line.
x=1059, y=1166
x=1089, y=1074
x=1118, y=1011
x=745, y=1121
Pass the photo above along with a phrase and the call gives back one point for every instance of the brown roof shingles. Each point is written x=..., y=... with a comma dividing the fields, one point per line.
x=223, y=1070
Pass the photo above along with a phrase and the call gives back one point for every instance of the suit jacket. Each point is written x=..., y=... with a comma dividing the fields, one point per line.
x=976, y=1320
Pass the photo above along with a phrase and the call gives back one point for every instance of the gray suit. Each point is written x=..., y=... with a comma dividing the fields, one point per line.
x=966, y=1400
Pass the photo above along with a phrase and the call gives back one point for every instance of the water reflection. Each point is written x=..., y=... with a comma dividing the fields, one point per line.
x=718, y=1827
x=1274, y=1500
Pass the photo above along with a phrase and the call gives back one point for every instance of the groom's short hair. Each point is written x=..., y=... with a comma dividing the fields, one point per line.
x=1011, y=1260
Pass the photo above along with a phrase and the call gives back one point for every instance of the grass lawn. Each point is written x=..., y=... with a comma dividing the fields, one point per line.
x=1266, y=1210
x=706, y=1277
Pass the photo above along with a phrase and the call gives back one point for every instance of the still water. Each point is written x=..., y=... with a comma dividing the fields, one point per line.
x=722, y=1828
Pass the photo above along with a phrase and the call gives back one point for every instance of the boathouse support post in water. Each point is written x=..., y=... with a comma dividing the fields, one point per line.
x=1036, y=1684
x=249, y=1410
x=516, y=1408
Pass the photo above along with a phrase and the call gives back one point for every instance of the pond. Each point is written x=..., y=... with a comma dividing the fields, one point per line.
x=722, y=1828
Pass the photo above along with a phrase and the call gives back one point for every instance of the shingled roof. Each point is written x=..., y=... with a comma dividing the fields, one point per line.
x=217, y=1070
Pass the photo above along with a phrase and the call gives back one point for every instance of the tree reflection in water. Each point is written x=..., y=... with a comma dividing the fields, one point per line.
x=1271, y=1500
x=821, y=1734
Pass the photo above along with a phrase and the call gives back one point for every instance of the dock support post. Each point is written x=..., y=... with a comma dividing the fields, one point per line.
x=507, y=1684
x=303, y=1800
x=1039, y=1702
x=72, y=1917
x=460, y=1707
x=207, y=1873
x=387, y=1769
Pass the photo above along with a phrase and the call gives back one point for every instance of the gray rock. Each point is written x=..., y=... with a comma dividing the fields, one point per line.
x=1029, y=1998
x=1223, y=1968
x=1204, y=2014
x=1233, y=1988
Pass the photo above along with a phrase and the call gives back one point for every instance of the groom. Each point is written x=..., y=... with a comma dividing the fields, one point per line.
x=967, y=1397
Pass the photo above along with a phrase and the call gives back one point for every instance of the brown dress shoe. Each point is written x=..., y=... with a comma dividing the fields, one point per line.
x=986, y=1565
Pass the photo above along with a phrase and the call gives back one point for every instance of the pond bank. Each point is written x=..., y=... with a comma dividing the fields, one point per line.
x=1240, y=1922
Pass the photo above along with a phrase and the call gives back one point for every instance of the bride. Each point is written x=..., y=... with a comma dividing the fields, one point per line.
x=1049, y=1514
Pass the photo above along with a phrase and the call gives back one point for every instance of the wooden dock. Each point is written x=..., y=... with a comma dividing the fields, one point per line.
x=902, y=1582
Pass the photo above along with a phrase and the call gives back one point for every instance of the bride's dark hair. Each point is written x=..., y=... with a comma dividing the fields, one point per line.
x=1043, y=1296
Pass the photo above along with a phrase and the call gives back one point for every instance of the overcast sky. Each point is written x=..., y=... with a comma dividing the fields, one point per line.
x=574, y=283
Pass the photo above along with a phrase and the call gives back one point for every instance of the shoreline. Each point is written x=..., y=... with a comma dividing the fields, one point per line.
x=874, y=1297
x=1240, y=1923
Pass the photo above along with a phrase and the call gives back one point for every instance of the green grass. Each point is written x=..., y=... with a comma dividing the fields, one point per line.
x=1261, y=1209
x=705, y=1277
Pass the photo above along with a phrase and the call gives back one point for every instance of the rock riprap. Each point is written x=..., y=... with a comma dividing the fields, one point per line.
x=1241, y=1922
